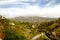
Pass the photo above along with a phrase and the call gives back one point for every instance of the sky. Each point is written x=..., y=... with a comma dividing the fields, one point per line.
x=44, y=8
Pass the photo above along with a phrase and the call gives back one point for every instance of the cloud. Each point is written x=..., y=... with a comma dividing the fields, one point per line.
x=24, y=0
x=2, y=0
x=13, y=8
x=53, y=3
x=7, y=1
x=13, y=12
x=53, y=12
x=41, y=3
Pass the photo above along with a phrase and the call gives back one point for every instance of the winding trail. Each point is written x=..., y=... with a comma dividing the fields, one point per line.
x=37, y=36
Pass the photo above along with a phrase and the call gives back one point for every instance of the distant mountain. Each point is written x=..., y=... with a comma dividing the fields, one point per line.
x=33, y=19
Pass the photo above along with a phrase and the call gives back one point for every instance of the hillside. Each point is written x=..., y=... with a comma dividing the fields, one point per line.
x=33, y=19
x=17, y=30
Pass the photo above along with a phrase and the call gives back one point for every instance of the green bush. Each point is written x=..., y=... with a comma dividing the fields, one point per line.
x=10, y=35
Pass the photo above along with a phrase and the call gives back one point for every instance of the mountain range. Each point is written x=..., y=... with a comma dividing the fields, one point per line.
x=33, y=19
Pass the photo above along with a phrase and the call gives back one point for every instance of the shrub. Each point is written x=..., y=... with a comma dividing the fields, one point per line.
x=10, y=35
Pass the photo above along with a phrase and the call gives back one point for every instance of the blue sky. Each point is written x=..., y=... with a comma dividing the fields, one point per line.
x=45, y=8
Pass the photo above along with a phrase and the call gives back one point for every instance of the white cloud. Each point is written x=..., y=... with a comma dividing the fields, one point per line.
x=33, y=0
x=32, y=10
x=24, y=0
x=7, y=1
x=45, y=0
x=52, y=3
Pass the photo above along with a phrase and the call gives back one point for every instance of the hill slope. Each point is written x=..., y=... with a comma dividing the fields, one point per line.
x=17, y=30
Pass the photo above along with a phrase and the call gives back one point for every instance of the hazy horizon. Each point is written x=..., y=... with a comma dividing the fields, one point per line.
x=43, y=8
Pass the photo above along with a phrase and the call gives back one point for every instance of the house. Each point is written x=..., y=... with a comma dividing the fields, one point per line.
x=33, y=26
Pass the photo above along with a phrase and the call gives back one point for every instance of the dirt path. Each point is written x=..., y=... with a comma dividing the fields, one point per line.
x=37, y=36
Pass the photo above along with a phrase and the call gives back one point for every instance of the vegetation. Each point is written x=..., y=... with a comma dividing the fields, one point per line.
x=17, y=30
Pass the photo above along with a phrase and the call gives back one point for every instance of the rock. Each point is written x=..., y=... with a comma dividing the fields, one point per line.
x=12, y=23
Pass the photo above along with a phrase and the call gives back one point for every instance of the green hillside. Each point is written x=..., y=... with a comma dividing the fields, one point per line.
x=17, y=30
